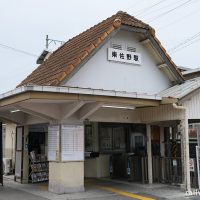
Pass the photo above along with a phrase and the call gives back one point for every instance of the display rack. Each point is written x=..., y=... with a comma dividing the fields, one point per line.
x=39, y=168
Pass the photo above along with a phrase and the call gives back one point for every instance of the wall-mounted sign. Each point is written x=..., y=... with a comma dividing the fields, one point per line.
x=53, y=142
x=124, y=56
x=72, y=143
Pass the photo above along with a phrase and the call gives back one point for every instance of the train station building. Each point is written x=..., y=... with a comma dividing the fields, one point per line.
x=100, y=106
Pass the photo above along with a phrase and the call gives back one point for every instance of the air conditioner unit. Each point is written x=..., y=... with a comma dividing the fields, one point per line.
x=7, y=165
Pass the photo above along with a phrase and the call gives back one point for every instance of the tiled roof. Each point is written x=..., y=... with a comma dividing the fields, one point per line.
x=66, y=58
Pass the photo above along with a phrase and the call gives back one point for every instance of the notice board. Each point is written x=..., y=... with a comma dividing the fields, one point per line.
x=72, y=143
x=53, y=142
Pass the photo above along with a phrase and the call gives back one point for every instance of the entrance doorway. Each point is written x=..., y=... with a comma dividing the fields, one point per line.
x=31, y=154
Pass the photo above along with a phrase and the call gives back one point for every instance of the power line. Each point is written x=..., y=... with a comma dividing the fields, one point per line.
x=17, y=50
x=195, y=41
x=171, y=10
x=132, y=5
x=185, y=42
x=149, y=7
x=161, y=8
x=179, y=19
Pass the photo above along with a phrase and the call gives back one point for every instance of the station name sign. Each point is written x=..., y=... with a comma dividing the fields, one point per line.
x=124, y=56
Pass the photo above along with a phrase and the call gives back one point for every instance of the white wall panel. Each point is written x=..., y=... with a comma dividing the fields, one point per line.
x=99, y=73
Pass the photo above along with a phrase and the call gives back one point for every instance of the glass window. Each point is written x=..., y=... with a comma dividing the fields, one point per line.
x=105, y=139
x=112, y=139
x=118, y=138
x=88, y=138
x=139, y=141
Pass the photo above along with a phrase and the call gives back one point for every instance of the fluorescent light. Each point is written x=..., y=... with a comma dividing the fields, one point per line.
x=119, y=107
x=14, y=111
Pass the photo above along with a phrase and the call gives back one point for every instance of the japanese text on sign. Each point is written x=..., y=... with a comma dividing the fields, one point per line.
x=124, y=56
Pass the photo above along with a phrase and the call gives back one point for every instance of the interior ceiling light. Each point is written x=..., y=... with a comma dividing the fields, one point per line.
x=14, y=111
x=119, y=107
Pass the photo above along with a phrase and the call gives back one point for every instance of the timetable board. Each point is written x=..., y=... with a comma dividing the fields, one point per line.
x=53, y=142
x=72, y=143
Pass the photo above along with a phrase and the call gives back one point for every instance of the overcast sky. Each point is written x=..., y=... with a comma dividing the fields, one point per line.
x=25, y=23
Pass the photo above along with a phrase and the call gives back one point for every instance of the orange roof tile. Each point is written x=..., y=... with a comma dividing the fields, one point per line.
x=65, y=59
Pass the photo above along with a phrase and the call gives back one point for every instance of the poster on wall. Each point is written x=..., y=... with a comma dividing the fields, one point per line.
x=53, y=142
x=72, y=143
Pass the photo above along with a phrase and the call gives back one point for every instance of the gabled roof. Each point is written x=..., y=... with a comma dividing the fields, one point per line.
x=75, y=51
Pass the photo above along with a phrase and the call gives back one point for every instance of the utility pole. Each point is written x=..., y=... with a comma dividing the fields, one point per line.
x=49, y=41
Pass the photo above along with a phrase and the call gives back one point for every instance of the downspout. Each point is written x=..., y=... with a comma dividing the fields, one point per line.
x=187, y=170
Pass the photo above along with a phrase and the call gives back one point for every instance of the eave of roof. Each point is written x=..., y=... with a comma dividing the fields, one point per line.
x=66, y=59
x=182, y=90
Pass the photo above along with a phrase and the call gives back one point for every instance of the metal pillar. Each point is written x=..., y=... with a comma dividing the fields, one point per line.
x=1, y=154
x=149, y=154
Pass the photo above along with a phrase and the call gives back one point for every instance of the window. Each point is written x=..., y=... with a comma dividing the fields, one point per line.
x=112, y=139
x=118, y=138
x=88, y=138
x=139, y=141
x=106, y=139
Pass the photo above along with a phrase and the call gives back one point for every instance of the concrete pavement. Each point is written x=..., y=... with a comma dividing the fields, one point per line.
x=100, y=189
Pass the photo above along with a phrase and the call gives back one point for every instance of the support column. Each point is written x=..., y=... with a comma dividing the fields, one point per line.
x=25, y=163
x=149, y=154
x=162, y=153
x=66, y=177
x=66, y=155
x=185, y=151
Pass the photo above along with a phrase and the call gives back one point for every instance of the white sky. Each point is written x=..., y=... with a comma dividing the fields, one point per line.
x=24, y=25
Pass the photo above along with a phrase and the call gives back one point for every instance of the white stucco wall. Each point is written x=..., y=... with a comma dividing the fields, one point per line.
x=99, y=73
